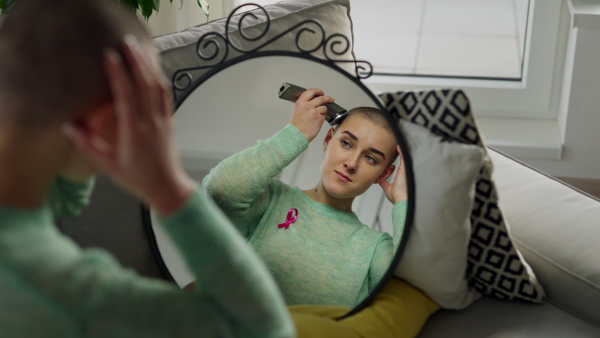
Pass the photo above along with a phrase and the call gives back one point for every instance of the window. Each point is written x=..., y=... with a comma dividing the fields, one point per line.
x=455, y=38
x=527, y=97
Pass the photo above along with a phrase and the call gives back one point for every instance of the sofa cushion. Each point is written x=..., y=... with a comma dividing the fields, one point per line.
x=435, y=256
x=495, y=266
x=179, y=50
x=555, y=226
x=490, y=317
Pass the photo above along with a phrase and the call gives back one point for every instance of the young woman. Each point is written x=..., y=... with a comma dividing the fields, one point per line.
x=314, y=245
x=81, y=91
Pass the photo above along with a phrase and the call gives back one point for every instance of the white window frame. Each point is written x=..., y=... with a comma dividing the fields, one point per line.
x=529, y=98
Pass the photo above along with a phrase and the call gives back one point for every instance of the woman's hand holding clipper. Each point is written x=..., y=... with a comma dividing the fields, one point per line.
x=309, y=112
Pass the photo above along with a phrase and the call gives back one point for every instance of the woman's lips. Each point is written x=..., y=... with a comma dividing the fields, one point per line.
x=343, y=177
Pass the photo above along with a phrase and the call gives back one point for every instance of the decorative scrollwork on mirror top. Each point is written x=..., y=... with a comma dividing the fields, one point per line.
x=214, y=47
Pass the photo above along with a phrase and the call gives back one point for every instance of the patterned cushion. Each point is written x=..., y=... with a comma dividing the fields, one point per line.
x=495, y=267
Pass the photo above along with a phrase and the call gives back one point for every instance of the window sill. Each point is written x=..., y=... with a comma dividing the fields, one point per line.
x=522, y=138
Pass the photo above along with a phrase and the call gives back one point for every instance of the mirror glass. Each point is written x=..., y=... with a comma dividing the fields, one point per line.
x=323, y=257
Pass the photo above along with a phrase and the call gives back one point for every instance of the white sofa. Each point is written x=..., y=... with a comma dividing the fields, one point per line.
x=555, y=227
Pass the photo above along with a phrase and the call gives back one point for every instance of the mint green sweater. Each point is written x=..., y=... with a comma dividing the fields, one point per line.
x=327, y=256
x=49, y=287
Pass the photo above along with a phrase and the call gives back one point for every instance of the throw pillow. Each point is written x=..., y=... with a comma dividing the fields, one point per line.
x=435, y=256
x=495, y=267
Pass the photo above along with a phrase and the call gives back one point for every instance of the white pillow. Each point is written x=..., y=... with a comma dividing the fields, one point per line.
x=435, y=257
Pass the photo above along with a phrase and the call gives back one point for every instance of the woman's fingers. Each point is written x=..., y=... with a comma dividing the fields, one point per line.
x=316, y=97
x=385, y=185
x=156, y=84
x=399, y=150
x=396, y=191
x=132, y=51
x=321, y=100
x=387, y=190
x=322, y=110
x=401, y=166
x=310, y=93
x=309, y=112
x=122, y=91
x=168, y=103
x=400, y=191
x=151, y=86
x=98, y=151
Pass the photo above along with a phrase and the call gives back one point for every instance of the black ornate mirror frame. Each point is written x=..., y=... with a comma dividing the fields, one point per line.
x=184, y=84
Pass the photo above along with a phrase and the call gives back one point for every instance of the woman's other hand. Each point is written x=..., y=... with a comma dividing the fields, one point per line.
x=396, y=191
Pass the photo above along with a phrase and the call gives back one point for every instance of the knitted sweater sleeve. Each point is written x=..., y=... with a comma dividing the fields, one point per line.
x=239, y=184
x=235, y=295
x=230, y=276
x=385, y=250
x=67, y=198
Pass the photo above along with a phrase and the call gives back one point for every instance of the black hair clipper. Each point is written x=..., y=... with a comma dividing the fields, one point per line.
x=291, y=92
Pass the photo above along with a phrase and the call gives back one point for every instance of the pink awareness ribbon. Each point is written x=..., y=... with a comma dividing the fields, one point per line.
x=290, y=218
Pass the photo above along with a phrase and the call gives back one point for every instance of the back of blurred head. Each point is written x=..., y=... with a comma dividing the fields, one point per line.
x=51, y=52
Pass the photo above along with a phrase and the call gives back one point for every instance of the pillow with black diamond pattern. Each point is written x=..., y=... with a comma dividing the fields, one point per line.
x=494, y=266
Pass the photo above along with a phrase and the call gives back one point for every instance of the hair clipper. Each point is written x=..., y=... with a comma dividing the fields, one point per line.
x=291, y=92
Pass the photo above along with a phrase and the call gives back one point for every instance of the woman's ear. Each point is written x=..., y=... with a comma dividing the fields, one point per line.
x=99, y=121
x=328, y=137
x=387, y=172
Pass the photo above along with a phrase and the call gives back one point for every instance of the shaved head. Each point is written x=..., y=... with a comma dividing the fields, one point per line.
x=51, y=57
x=374, y=115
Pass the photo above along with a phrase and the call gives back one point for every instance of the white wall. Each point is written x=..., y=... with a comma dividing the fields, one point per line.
x=174, y=17
x=580, y=113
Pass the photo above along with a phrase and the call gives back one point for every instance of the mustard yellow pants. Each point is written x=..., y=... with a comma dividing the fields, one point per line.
x=399, y=310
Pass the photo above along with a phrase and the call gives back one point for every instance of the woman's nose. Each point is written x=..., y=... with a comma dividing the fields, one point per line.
x=351, y=164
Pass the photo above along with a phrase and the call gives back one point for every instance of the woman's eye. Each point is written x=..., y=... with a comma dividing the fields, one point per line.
x=371, y=159
x=345, y=144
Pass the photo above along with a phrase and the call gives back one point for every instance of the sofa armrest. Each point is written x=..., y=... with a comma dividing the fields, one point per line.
x=555, y=226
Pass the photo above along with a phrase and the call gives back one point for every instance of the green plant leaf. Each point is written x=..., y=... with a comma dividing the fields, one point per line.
x=147, y=6
x=5, y=5
x=204, y=6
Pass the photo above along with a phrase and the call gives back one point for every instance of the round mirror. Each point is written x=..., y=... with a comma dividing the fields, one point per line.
x=317, y=253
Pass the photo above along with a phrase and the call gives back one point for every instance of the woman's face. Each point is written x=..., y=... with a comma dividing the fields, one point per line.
x=357, y=155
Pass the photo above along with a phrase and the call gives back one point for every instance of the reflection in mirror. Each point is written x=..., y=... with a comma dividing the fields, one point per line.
x=314, y=213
